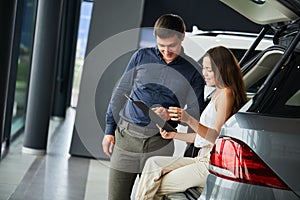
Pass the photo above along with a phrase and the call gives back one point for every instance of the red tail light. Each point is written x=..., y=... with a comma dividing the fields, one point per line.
x=231, y=159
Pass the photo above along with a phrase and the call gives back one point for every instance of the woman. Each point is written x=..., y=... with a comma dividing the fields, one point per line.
x=163, y=175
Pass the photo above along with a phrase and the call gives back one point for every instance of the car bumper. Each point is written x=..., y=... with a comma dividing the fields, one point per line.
x=219, y=188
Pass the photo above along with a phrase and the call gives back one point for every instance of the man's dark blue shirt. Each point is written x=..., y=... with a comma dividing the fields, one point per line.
x=150, y=79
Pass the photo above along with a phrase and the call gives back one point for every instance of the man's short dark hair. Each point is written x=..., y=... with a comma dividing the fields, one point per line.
x=168, y=25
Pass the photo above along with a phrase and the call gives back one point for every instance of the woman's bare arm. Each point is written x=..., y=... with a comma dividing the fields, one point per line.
x=224, y=105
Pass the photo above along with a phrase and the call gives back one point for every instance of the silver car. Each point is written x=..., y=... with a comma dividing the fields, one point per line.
x=257, y=155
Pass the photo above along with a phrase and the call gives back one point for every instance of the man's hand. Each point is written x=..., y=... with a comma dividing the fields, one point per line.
x=108, y=143
x=162, y=112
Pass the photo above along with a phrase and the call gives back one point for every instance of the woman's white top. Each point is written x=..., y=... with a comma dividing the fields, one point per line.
x=207, y=118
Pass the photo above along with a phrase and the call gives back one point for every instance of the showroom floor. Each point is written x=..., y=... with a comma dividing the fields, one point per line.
x=56, y=175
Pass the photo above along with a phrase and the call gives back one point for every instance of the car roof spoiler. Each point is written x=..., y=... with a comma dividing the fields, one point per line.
x=262, y=11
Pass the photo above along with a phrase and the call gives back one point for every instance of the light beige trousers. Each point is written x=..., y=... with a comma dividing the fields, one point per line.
x=164, y=175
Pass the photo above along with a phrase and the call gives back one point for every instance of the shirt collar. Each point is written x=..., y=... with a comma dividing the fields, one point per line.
x=178, y=59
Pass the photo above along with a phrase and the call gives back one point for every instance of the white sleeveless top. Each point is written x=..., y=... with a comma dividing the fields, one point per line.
x=207, y=119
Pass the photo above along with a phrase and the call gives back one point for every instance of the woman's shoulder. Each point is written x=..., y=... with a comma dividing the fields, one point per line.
x=228, y=92
x=225, y=95
x=225, y=100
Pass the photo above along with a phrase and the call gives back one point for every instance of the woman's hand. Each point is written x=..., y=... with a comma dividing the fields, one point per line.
x=178, y=114
x=165, y=134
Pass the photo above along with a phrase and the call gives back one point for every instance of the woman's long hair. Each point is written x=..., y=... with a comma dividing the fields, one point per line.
x=228, y=74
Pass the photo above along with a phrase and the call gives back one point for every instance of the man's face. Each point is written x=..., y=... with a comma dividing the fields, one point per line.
x=170, y=47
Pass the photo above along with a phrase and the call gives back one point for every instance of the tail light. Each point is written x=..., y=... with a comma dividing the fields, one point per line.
x=232, y=159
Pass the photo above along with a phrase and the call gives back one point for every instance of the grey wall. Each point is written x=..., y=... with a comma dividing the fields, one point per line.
x=113, y=37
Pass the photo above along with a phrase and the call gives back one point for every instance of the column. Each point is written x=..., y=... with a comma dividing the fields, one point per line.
x=42, y=76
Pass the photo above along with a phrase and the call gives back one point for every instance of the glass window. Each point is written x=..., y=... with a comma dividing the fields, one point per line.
x=147, y=38
x=294, y=100
x=84, y=25
x=24, y=62
x=281, y=95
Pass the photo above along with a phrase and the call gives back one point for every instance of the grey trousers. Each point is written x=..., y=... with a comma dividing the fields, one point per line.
x=128, y=159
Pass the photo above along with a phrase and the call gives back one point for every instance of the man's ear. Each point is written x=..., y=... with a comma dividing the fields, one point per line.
x=182, y=36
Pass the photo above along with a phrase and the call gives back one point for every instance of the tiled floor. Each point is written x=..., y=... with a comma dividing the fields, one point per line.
x=56, y=175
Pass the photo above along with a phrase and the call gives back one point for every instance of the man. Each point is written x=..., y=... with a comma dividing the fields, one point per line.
x=161, y=77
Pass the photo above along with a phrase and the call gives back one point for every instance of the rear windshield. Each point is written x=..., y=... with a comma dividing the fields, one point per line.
x=281, y=95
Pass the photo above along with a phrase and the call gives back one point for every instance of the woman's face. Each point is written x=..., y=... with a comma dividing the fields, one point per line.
x=209, y=75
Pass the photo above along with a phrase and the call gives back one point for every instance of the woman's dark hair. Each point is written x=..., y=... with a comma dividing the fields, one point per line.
x=228, y=73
